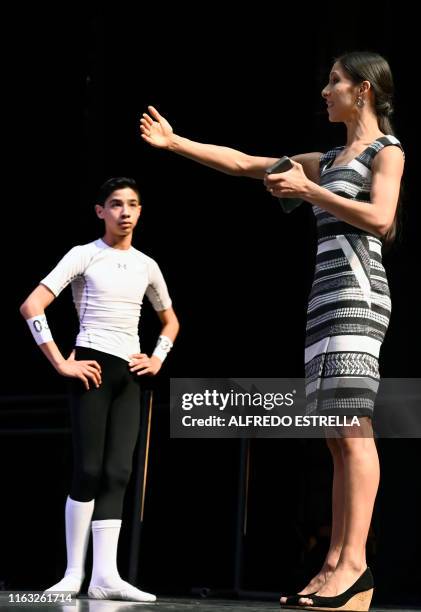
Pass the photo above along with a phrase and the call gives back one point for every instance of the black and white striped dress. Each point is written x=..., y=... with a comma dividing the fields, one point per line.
x=349, y=304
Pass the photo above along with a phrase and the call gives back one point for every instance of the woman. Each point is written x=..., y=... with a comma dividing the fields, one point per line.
x=354, y=191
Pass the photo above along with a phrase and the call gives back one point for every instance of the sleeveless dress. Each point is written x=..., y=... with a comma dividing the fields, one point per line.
x=349, y=303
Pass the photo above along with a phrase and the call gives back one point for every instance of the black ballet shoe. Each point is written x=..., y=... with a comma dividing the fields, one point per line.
x=355, y=599
x=293, y=601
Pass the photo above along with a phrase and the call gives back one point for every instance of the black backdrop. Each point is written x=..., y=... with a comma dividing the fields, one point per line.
x=239, y=270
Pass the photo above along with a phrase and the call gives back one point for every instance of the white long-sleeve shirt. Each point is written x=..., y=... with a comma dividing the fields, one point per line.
x=108, y=287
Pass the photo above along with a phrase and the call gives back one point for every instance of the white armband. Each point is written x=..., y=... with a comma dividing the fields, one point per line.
x=163, y=347
x=39, y=328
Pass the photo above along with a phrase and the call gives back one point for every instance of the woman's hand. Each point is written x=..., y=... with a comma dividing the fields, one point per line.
x=290, y=184
x=143, y=364
x=86, y=370
x=157, y=133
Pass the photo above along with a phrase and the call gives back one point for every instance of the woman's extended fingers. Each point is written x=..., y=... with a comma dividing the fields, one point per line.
x=154, y=113
x=147, y=138
x=146, y=119
x=145, y=127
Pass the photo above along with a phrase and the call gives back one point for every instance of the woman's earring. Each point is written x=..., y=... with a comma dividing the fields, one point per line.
x=360, y=102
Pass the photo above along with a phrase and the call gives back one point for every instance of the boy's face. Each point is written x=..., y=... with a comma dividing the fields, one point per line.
x=120, y=212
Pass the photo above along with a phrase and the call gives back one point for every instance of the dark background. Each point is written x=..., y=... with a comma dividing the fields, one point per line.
x=238, y=269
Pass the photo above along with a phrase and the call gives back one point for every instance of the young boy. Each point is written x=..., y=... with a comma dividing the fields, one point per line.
x=109, y=279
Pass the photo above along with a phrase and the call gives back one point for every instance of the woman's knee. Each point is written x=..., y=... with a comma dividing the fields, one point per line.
x=351, y=446
x=334, y=447
x=356, y=439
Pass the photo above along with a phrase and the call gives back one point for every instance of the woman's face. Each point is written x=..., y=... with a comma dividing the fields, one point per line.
x=340, y=94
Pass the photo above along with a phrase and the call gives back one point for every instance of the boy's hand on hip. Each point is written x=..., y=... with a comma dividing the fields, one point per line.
x=142, y=364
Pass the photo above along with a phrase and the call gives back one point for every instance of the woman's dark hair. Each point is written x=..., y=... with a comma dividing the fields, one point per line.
x=113, y=184
x=372, y=67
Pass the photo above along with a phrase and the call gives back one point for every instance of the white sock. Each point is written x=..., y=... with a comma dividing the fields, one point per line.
x=105, y=536
x=106, y=582
x=78, y=520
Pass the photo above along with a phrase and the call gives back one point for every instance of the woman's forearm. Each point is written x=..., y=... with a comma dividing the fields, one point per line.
x=224, y=159
x=364, y=215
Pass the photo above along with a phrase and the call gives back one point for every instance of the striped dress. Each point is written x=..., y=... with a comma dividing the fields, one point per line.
x=349, y=304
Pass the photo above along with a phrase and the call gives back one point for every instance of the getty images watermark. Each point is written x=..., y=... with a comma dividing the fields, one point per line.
x=277, y=408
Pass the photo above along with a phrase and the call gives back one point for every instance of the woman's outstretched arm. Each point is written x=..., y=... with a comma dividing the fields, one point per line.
x=156, y=131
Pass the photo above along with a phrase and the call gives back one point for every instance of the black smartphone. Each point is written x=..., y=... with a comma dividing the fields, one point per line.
x=282, y=165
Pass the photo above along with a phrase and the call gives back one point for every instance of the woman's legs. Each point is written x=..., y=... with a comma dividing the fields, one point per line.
x=338, y=506
x=361, y=481
x=338, y=522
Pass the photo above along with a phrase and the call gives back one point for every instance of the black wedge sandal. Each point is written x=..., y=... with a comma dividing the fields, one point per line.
x=355, y=599
x=293, y=601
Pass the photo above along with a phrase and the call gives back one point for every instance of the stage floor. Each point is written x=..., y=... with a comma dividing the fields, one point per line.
x=83, y=604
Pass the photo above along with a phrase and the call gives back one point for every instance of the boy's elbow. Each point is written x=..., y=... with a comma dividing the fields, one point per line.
x=23, y=309
x=30, y=307
x=176, y=326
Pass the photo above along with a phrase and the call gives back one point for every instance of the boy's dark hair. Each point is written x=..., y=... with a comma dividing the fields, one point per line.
x=112, y=184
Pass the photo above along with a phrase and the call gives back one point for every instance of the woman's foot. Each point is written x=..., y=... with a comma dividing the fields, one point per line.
x=339, y=581
x=313, y=586
x=291, y=601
